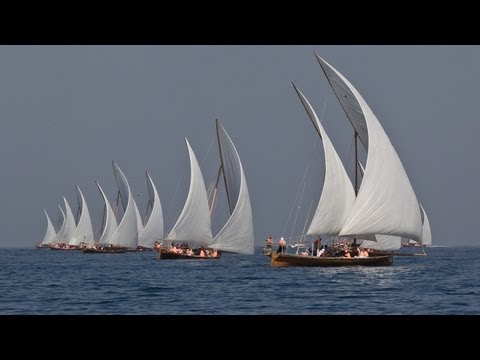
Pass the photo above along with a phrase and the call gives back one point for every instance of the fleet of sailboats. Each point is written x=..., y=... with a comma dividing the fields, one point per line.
x=380, y=213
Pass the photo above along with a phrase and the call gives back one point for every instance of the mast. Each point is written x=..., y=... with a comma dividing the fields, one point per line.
x=215, y=190
x=104, y=220
x=149, y=203
x=356, y=172
x=116, y=204
x=356, y=163
x=230, y=206
x=79, y=206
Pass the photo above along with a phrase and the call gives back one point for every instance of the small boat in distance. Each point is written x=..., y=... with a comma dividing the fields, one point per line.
x=153, y=228
x=124, y=237
x=49, y=234
x=236, y=236
x=193, y=225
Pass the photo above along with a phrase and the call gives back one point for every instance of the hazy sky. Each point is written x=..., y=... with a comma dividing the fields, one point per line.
x=67, y=111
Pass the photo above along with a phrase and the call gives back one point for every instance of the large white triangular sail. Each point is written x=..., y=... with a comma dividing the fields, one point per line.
x=153, y=229
x=386, y=203
x=193, y=224
x=84, y=230
x=338, y=195
x=236, y=236
x=126, y=234
x=50, y=233
x=65, y=233
x=380, y=242
x=109, y=221
x=426, y=231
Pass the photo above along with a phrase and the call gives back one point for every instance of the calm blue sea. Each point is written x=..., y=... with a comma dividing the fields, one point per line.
x=42, y=281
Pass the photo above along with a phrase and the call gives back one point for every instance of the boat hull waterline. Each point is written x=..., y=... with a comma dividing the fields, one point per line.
x=282, y=259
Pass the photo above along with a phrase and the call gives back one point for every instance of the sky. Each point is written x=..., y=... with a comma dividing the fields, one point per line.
x=67, y=111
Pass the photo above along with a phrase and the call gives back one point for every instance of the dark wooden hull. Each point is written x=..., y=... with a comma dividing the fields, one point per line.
x=144, y=249
x=395, y=253
x=164, y=255
x=300, y=260
x=104, y=251
x=42, y=246
x=75, y=248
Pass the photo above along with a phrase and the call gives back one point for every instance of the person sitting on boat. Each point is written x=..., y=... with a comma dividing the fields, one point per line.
x=202, y=252
x=321, y=251
x=269, y=242
x=282, y=244
x=362, y=252
x=215, y=253
x=347, y=253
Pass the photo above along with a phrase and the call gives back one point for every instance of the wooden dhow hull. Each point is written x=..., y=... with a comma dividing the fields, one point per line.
x=42, y=246
x=65, y=249
x=165, y=255
x=104, y=250
x=282, y=259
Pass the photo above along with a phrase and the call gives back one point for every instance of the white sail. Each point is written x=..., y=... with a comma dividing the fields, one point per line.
x=338, y=195
x=384, y=243
x=139, y=220
x=50, y=233
x=153, y=229
x=65, y=233
x=126, y=234
x=62, y=226
x=386, y=203
x=110, y=222
x=193, y=224
x=84, y=230
x=237, y=234
x=426, y=231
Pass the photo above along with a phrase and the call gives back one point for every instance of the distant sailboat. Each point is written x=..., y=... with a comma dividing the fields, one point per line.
x=66, y=231
x=108, y=227
x=109, y=222
x=193, y=225
x=153, y=229
x=126, y=234
x=84, y=231
x=49, y=234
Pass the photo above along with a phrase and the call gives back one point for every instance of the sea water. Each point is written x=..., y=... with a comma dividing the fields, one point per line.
x=42, y=281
